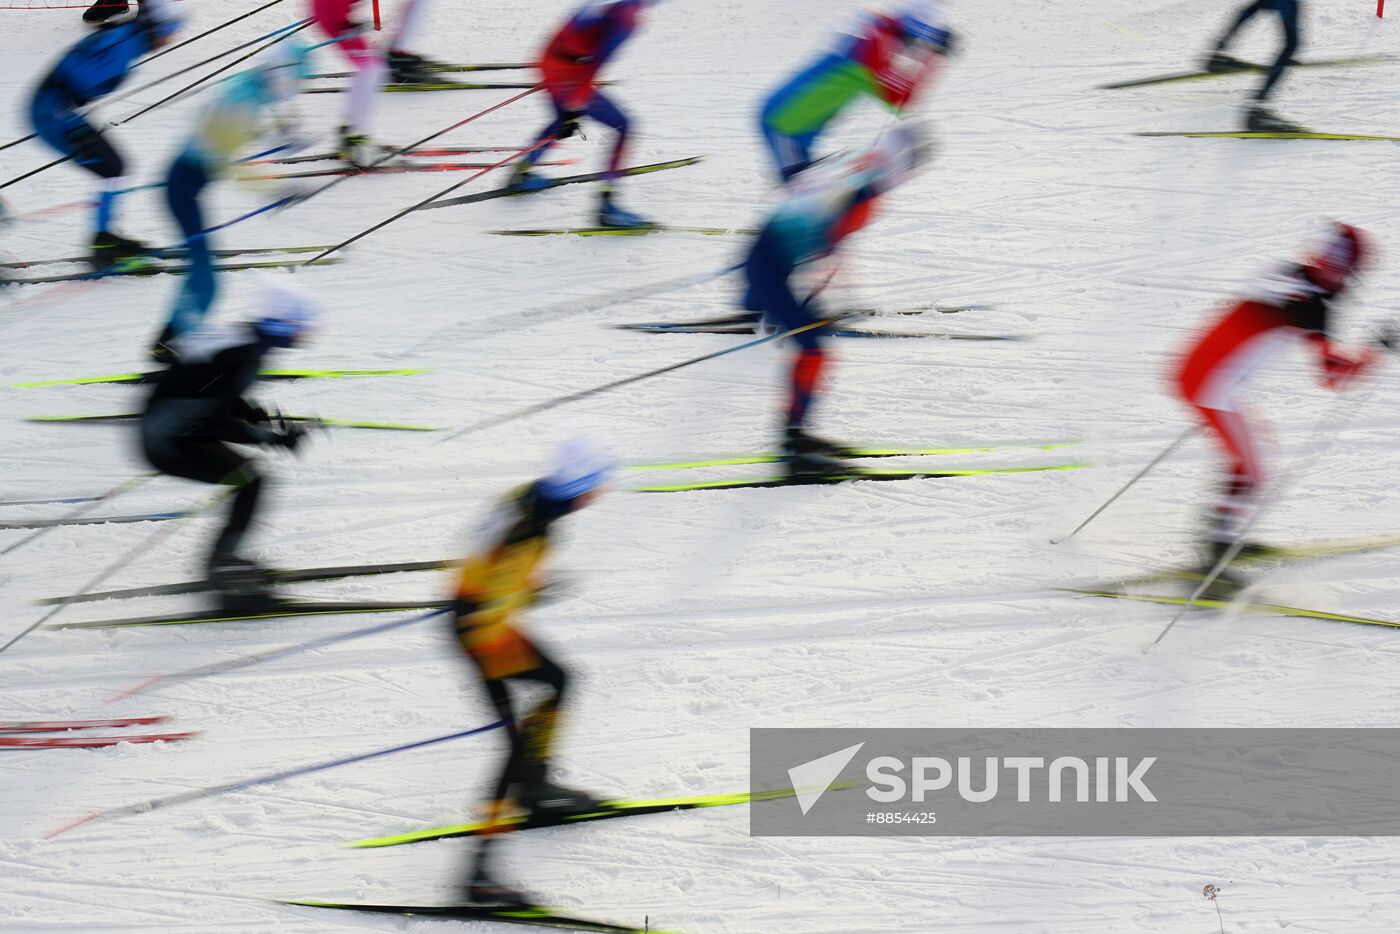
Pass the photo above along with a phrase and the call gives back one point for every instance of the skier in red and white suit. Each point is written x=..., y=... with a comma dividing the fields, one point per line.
x=1294, y=303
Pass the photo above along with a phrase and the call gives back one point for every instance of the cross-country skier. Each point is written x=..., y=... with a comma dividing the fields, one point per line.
x=110, y=11
x=335, y=18
x=94, y=67
x=569, y=71
x=1258, y=118
x=236, y=118
x=1294, y=302
x=198, y=409
x=502, y=577
x=866, y=63
x=821, y=208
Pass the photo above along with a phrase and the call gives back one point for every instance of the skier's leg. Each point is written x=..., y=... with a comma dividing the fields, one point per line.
x=1246, y=13
x=610, y=115
x=1288, y=15
x=183, y=186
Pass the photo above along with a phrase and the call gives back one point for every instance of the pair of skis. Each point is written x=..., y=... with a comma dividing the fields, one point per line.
x=1251, y=69
x=1121, y=589
x=538, y=915
x=27, y=729
x=751, y=324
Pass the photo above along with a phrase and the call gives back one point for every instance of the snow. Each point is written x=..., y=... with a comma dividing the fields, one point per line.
x=695, y=617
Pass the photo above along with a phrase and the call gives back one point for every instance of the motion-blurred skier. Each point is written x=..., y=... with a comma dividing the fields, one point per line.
x=501, y=578
x=1294, y=302
x=821, y=208
x=198, y=409
x=569, y=72
x=95, y=67
x=1258, y=118
x=232, y=121
x=866, y=63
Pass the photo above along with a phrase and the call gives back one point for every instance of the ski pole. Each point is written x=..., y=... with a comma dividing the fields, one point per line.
x=1180, y=439
x=246, y=661
x=210, y=32
x=83, y=510
x=448, y=190
x=286, y=34
x=141, y=546
x=1233, y=551
x=627, y=380
x=156, y=804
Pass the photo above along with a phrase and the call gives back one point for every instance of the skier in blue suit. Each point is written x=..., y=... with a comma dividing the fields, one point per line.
x=95, y=67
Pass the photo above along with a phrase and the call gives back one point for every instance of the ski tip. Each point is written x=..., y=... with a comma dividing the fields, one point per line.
x=72, y=824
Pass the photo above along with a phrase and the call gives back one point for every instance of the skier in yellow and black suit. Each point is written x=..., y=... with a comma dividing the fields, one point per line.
x=500, y=578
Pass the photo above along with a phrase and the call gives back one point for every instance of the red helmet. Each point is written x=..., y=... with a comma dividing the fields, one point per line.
x=1344, y=251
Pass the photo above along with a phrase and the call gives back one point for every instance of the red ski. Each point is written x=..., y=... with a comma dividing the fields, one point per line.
x=53, y=726
x=86, y=742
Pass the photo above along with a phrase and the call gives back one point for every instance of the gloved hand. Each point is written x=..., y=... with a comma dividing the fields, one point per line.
x=1388, y=337
x=290, y=436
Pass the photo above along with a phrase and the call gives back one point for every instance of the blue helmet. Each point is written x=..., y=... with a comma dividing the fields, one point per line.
x=924, y=22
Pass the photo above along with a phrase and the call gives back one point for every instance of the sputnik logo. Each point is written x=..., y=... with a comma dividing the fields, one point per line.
x=811, y=780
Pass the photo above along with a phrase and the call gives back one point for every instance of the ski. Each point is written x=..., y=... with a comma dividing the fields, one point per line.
x=535, y=915
x=392, y=152
x=440, y=86
x=87, y=742
x=754, y=483
x=88, y=520
x=155, y=375
x=751, y=320
x=1245, y=134
x=558, y=182
x=278, y=576
x=1218, y=603
x=1250, y=70
x=158, y=269
x=177, y=253
x=607, y=810
x=624, y=232
x=746, y=329
x=52, y=726
x=854, y=453
x=388, y=168
x=445, y=67
x=286, y=609
x=309, y=420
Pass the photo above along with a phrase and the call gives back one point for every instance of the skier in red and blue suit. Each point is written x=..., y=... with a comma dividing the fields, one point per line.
x=796, y=114
x=569, y=71
x=1295, y=302
x=822, y=208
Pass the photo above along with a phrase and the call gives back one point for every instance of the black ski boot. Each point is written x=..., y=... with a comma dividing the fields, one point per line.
x=1218, y=63
x=486, y=890
x=162, y=351
x=242, y=585
x=547, y=801
x=1260, y=119
x=108, y=11
x=408, y=68
x=812, y=458
x=109, y=249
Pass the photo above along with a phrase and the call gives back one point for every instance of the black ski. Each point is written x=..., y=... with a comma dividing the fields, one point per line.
x=1305, y=134
x=278, y=576
x=744, y=329
x=162, y=268
x=151, y=376
x=625, y=231
x=285, y=609
x=446, y=67
x=439, y=86
x=89, y=520
x=429, y=151
x=388, y=168
x=308, y=420
x=1252, y=69
x=755, y=483
x=176, y=253
x=559, y=182
x=535, y=915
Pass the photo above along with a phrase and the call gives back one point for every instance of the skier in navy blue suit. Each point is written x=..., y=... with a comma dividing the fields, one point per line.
x=1258, y=117
x=93, y=68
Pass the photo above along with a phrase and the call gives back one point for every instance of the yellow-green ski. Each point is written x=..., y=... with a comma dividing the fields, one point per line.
x=1216, y=603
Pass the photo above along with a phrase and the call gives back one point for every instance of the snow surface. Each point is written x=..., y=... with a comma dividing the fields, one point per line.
x=698, y=616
